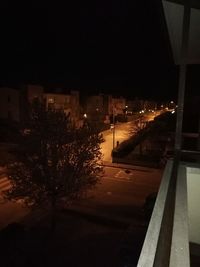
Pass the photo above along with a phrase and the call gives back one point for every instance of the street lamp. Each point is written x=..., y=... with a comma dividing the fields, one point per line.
x=113, y=128
x=126, y=109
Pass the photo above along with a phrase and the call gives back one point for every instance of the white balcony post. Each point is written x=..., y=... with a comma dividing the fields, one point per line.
x=182, y=76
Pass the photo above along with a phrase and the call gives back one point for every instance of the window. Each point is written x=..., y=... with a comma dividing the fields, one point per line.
x=51, y=100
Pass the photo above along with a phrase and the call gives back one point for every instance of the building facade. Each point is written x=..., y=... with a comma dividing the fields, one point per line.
x=69, y=103
x=9, y=104
x=118, y=105
x=96, y=108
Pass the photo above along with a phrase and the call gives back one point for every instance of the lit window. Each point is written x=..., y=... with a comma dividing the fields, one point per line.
x=51, y=100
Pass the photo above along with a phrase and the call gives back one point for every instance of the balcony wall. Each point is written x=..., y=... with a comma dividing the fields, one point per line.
x=193, y=188
x=175, y=219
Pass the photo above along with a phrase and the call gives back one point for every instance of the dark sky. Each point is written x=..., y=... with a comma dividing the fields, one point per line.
x=108, y=46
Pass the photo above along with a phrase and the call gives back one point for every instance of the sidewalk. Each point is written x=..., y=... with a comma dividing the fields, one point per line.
x=126, y=166
x=101, y=208
x=93, y=215
x=89, y=210
x=104, y=218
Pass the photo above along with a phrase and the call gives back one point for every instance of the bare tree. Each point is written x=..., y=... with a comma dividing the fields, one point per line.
x=57, y=162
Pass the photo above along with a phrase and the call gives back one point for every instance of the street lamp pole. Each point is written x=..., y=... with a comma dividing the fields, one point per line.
x=113, y=129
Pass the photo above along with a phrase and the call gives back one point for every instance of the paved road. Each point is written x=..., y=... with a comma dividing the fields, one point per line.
x=10, y=211
x=121, y=193
x=134, y=184
x=4, y=182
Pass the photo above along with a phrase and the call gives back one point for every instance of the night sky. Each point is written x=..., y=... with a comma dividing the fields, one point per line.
x=110, y=46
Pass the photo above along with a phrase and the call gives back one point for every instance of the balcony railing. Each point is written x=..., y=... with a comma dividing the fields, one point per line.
x=173, y=228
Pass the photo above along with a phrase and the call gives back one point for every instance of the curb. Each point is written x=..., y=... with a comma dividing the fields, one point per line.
x=98, y=218
x=126, y=166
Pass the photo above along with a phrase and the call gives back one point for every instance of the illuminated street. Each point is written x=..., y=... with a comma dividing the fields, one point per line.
x=10, y=211
x=122, y=132
x=121, y=194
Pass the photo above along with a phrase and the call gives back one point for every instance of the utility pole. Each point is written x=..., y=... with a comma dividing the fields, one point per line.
x=113, y=128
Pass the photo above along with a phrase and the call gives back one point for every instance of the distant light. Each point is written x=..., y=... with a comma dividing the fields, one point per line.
x=97, y=109
x=51, y=100
x=85, y=115
x=126, y=106
x=173, y=111
x=26, y=131
x=171, y=102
